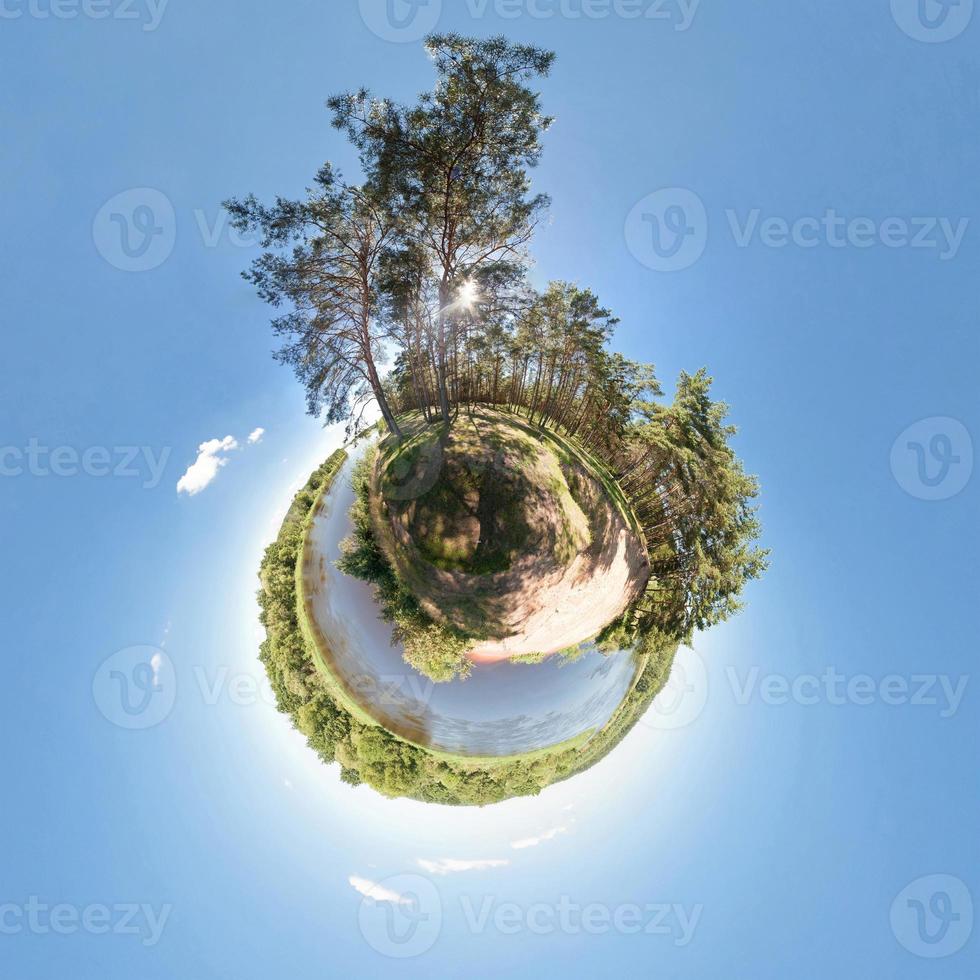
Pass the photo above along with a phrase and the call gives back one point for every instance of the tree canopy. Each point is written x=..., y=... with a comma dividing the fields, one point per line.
x=410, y=288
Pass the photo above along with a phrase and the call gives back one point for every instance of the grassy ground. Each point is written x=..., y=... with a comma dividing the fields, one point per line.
x=473, y=515
x=464, y=493
x=572, y=452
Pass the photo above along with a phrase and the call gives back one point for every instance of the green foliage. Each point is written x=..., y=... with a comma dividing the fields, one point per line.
x=368, y=753
x=322, y=260
x=696, y=505
x=429, y=257
x=283, y=652
x=435, y=650
x=454, y=164
x=529, y=658
x=446, y=203
x=567, y=656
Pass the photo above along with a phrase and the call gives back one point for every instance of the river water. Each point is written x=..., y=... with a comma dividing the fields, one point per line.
x=500, y=709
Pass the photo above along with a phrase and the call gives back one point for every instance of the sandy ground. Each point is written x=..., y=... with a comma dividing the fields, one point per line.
x=573, y=605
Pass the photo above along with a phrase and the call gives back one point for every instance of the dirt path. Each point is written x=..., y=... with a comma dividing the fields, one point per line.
x=574, y=604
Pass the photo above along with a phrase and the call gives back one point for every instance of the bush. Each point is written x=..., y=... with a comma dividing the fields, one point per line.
x=435, y=650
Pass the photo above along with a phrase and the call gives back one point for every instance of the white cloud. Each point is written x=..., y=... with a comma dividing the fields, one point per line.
x=534, y=841
x=205, y=468
x=256, y=436
x=370, y=889
x=446, y=866
x=156, y=662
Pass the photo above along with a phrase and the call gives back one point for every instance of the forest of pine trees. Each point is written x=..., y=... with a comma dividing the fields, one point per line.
x=410, y=290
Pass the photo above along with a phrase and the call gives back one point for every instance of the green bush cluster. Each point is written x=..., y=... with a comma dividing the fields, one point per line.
x=435, y=650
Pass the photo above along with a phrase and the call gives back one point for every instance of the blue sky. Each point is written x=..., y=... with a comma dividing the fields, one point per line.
x=787, y=813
